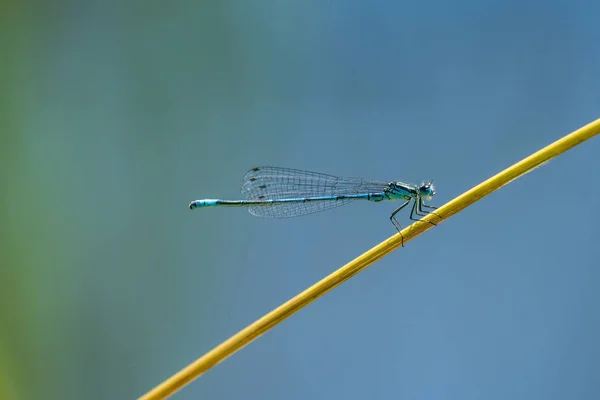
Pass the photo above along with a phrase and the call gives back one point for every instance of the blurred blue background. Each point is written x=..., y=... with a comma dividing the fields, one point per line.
x=115, y=115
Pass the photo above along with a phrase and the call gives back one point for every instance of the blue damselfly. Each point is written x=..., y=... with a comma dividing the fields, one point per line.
x=274, y=192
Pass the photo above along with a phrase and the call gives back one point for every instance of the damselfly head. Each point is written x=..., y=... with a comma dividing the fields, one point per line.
x=427, y=190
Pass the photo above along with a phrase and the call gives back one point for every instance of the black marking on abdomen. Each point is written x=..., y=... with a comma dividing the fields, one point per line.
x=376, y=197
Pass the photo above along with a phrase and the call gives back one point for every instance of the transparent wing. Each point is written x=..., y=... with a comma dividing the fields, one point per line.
x=272, y=183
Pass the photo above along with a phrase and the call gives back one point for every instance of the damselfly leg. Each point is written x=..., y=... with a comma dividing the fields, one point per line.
x=430, y=207
x=416, y=209
x=395, y=221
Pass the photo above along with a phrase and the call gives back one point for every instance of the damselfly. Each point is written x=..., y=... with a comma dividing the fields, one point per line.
x=274, y=192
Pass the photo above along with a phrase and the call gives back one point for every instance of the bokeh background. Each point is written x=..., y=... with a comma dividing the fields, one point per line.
x=115, y=115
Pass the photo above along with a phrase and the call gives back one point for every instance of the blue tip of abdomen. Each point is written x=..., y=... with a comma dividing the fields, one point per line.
x=203, y=203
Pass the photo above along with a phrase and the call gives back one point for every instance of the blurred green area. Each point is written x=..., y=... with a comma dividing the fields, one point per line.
x=32, y=350
x=86, y=130
x=17, y=344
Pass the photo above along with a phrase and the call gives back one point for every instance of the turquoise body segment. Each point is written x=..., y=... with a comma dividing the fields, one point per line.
x=276, y=202
x=204, y=203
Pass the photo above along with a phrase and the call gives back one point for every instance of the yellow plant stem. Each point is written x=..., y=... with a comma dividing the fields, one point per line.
x=254, y=330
